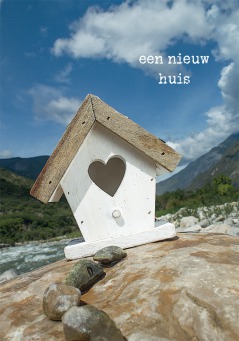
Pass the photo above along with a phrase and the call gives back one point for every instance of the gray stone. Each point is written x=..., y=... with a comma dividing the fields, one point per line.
x=193, y=229
x=87, y=323
x=58, y=298
x=217, y=228
x=233, y=231
x=7, y=275
x=84, y=274
x=204, y=223
x=188, y=221
x=228, y=221
x=110, y=255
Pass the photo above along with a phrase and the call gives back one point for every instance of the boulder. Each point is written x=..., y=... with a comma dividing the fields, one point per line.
x=217, y=228
x=89, y=323
x=185, y=289
x=110, y=255
x=58, y=298
x=188, y=221
x=204, y=223
x=233, y=230
x=84, y=274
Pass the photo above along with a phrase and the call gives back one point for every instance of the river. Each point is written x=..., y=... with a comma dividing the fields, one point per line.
x=31, y=256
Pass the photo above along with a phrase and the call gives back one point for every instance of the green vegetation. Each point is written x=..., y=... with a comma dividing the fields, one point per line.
x=216, y=192
x=24, y=218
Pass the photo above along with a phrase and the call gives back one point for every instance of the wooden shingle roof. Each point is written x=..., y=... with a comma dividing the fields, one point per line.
x=92, y=110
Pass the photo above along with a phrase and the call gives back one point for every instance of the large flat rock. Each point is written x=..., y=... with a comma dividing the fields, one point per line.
x=183, y=289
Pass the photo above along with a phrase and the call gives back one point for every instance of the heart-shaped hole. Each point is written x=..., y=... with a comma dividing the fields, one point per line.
x=109, y=176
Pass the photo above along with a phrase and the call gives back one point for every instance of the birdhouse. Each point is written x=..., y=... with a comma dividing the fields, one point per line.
x=106, y=165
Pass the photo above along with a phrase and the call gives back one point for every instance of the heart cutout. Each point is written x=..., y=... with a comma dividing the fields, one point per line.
x=109, y=176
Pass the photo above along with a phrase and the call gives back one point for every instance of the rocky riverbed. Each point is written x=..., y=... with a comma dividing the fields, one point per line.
x=214, y=219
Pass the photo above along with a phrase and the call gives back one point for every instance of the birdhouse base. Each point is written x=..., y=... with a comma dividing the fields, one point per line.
x=85, y=249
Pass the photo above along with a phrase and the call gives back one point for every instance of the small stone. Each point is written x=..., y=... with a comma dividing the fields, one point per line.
x=110, y=255
x=87, y=323
x=7, y=275
x=58, y=298
x=84, y=274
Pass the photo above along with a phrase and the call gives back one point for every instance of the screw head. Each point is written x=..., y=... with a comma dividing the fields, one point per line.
x=116, y=214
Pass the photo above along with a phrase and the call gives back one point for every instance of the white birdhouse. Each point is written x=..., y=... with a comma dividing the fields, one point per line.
x=106, y=166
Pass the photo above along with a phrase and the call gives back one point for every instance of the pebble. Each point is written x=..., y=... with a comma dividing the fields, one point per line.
x=87, y=323
x=58, y=298
x=84, y=274
x=110, y=255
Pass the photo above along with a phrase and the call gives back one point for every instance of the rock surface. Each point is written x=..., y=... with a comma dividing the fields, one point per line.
x=58, y=299
x=89, y=323
x=110, y=255
x=84, y=274
x=186, y=289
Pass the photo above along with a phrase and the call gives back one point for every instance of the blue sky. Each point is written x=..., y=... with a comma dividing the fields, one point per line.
x=55, y=52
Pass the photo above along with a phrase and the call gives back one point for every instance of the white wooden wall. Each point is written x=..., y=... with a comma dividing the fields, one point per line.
x=96, y=212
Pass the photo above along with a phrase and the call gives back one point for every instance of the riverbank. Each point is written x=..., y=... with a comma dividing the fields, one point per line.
x=213, y=219
x=67, y=237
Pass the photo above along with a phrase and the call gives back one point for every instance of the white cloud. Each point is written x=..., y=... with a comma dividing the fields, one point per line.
x=51, y=104
x=125, y=32
x=5, y=154
x=221, y=121
x=63, y=75
x=150, y=27
x=220, y=124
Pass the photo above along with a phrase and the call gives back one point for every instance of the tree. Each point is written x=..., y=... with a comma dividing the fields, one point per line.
x=222, y=184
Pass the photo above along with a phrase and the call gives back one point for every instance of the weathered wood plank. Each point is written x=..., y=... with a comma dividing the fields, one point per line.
x=64, y=153
x=138, y=137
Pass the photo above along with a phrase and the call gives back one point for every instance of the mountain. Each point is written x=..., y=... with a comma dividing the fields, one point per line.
x=27, y=167
x=223, y=159
x=24, y=218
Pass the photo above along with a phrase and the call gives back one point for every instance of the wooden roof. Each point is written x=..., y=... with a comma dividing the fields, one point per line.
x=92, y=110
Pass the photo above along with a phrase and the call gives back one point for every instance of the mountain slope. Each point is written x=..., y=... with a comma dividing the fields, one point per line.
x=27, y=167
x=206, y=163
x=24, y=218
x=227, y=165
